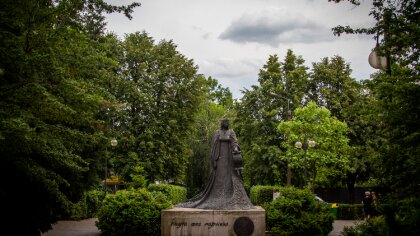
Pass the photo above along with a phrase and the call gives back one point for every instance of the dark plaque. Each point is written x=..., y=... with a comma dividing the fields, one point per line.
x=243, y=226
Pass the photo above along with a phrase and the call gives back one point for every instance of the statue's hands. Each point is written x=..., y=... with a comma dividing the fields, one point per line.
x=235, y=150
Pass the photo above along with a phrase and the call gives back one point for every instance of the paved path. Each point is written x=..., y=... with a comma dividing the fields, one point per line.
x=87, y=228
x=74, y=228
x=338, y=226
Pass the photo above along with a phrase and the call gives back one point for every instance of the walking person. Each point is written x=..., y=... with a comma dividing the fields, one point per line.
x=375, y=204
x=367, y=205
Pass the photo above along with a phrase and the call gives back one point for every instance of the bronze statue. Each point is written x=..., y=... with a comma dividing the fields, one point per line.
x=224, y=190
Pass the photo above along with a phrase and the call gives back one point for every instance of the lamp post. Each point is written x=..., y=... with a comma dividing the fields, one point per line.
x=305, y=147
x=376, y=60
x=114, y=143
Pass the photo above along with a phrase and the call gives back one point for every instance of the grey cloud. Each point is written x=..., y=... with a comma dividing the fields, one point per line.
x=228, y=67
x=276, y=27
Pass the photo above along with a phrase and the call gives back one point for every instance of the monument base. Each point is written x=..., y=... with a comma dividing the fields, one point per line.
x=192, y=222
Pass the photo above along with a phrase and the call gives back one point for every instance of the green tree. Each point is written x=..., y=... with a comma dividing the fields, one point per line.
x=218, y=94
x=395, y=93
x=332, y=87
x=161, y=92
x=282, y=86
x=51, y=92
x=214, y=105
x=330, y=155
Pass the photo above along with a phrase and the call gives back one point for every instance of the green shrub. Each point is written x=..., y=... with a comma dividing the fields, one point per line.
x=75, y=211
x=93, y=202
x=132, y=212
x=408, y=216
x=374, y=227
x=86, y=207
x=261, y=194
x=174, y=193
x=296, y=212
x=350, y=212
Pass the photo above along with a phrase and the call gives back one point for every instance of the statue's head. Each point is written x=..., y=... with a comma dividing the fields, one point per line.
x=224, y=124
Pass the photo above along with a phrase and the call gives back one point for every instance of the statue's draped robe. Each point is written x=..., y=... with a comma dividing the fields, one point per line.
x=224, y=190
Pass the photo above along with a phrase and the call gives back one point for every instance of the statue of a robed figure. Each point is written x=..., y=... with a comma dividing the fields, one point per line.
x=224, y=190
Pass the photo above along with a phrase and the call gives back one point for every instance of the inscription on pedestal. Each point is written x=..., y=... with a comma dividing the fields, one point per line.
x=187, y=221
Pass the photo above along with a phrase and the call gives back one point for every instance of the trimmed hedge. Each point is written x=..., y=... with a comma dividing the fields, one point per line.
x=261, y=194
x=132, y=212
x=296, y=212
x=174, y=193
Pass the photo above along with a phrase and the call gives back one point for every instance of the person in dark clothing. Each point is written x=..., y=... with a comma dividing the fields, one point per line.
x=367, y=205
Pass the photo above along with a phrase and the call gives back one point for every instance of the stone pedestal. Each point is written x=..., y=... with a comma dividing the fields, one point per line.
x=200, y=222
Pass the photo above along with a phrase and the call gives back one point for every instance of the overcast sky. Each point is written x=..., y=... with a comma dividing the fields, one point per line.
x=231, y=40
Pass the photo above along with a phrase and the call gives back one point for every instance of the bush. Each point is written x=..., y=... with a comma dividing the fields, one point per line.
x=374, y=227
x=261, y=194
x=296, y=212
x=93, y=202
x=132, y=212
x=174, y=193
x=408, y=216
x=86, y=207
x=350, y=212
x=400, y=218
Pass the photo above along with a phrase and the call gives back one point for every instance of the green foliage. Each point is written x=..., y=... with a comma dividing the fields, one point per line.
x=161, y=91
x=296, y=212
x=396, y=29
x=213, y=106
x=138, y=177
x=52, y=88
x=393, y=109
x=399, y=218
x=260, y=194
x=86, y=207
x=132, y=212
x=93, y=202
x=174, y=193
x=330, y=155
x=374, y=227
x=408, y=216
x=218, y=94
x=282, y=86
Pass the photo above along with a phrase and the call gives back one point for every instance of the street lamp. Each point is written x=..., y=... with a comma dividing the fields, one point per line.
x=305, y=146
x=114, y=143
x=289, y=117
x=375, y=60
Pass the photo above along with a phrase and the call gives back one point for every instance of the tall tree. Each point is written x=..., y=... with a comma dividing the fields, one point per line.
x=332, y=87
x=161, y=92
x=51, y=91
x=216, y=102
x=329, y=157
x=282, y=86
x=396, y=92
